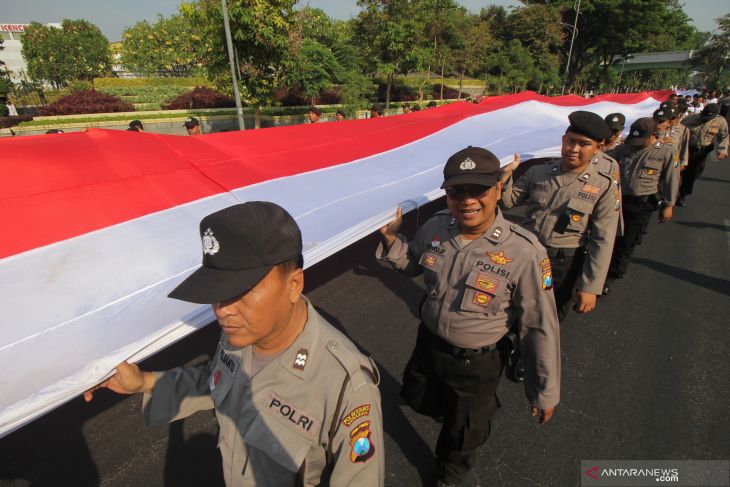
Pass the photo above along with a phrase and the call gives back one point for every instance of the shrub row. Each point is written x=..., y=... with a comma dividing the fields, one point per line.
x=162, y=82
x=88, y=101
x=6, y=122
x=146, y=94
x=200, y=97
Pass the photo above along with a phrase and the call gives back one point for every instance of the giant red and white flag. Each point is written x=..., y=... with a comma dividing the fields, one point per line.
x=98, y=226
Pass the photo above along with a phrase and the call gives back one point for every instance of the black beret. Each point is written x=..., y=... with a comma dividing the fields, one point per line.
x=641, y=130
x=615, y=121
x=589, y=124
x=711, y=109
x=663, y=114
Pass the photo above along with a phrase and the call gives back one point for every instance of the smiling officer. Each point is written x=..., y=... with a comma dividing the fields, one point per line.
x=573, y=207
x=297, y=404
x=484, y=277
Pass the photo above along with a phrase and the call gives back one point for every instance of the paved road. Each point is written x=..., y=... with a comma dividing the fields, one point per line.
x=644, y=377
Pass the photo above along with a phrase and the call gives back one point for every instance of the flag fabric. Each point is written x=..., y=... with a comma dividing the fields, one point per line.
x=99, y=226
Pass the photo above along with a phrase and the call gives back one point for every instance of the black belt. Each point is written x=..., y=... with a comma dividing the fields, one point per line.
x=440, y=344
x=640, y=200
x=554, y=253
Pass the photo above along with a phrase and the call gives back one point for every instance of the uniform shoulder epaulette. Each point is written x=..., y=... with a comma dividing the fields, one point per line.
x=526, y=234
x=361, y=372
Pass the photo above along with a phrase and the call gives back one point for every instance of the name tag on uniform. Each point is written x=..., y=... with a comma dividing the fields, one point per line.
x=286, y=411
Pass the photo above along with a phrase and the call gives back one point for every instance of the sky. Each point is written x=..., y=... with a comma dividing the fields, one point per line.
x=112, y=16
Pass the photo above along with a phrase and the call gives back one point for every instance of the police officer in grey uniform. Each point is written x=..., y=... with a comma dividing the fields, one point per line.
x=677, y=136
x=616, y=123
x=573, y=207
x=297, y=404
x=708, y=131
x=483, y=276
x=649, y=180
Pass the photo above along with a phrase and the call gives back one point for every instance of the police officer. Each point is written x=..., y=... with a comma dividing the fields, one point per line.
x=708, y=131
x=677, y=135
x=649, y=180
x=573, y=207
x=483, y=277
x=616, y=123
x=297, y=404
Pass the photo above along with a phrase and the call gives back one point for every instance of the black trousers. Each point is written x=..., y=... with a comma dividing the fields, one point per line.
x=462, y=390
x=637, y=215
x=567, y=265
x=695, y=167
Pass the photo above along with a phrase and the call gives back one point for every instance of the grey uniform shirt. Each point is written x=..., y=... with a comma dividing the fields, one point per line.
x=476, y=292
x=704, y=134
x=678, y=137
x=648, y=171
x=275, y=428
x=590, y=201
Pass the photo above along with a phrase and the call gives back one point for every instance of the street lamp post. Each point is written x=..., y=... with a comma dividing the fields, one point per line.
x=576, y=7
x=229, y=42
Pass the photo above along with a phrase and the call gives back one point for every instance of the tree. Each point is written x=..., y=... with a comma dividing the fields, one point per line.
x=260, y=33
x=660, y=25
x=166, y=48
x=388, y=32
x=78, y=50
x=538, y=29
x=313, y=68
x=715, y=56
x=475, y=45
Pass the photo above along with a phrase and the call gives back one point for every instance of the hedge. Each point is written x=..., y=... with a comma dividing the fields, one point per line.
x=161, y=82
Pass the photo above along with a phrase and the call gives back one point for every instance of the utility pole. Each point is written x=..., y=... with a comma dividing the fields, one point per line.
x=236, y=93
x=576, y=7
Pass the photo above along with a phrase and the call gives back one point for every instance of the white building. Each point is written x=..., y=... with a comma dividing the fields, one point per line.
x=11, y=35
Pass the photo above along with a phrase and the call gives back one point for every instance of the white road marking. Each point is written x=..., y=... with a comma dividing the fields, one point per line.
x=727, y=230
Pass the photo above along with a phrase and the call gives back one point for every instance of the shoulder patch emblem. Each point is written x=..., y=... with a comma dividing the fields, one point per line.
x=361, y=445
x=301, y=359
x=355, y=414
x=499, y=258
x=547, y=274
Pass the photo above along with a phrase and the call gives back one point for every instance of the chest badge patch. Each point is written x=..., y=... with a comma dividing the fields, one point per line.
x=482, y=299
x=361, y=445
x=651, y=172
x=214, y=380
x=499, y=258
x=587, y=188
x=486, y=283
x=301, y=359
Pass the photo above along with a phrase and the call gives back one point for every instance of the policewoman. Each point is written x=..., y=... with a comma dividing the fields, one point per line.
x=297, y=404
x=483, y=277
x=573, y=207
